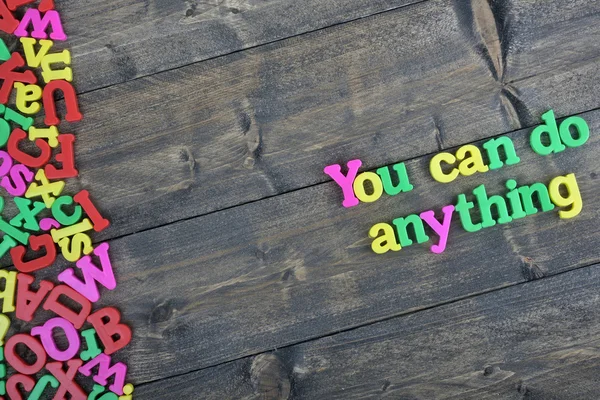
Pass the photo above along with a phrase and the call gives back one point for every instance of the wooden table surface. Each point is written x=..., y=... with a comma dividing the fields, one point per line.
x=207, y=126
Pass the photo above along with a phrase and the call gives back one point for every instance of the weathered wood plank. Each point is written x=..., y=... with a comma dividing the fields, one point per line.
x=299, y=266
x=265, y=121
x=539, y=340
x=118, y=40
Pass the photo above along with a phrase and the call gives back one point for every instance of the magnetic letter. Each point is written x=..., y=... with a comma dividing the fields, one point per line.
x=91, y=274
x=118, y=370
x=10, y=352
x=8, y=294
x=36, y=243
x=10, y=76
x=27, y=300
x=40, y=25
x=75, y=318
x=441, y=229
x=71, y=104
x=345, y=182
x=67, y=379
x=107, y=330
x=83, y=198
x=45, y=332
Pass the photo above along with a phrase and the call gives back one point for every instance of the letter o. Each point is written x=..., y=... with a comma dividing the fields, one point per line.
x=359, y=187
x=582, y=128
x=46, y=333
x=17, y=362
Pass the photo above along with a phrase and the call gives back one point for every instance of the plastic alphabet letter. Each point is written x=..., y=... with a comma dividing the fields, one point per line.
x=50, y=133
x=91, y=343
x=26, y=217
x=60, y=216
x=34, y=60
x=40, y=25
x=19, y=135
x=45, y=332
x=67, y=379
x=28, y=97
x=45, y=188
x=4, y=53
x=11, y=230
x=27, y=300
x=91, y=274
x=44, y=5
x=10, y=76
x=12, y=386
x=58, y=234
x=8, y=294
x=50, y=74
x=83, y=198
x=66, y=157
x=441, y=229
x=10, y=352
x=97, y=391
x=4, y=325
x=36, y=243
x=75, y=318
x=7, y=162
x=8, y=23
x=13, y=116
x=345, y=182
x=118, y=370
x=41, y=385
x=70, y=97
x=72, y=248
x=127, y=392
x=16, y=182
x=107, y=330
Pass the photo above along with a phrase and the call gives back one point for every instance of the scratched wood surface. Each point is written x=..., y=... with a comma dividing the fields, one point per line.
x=205, y=144
x=538, y=340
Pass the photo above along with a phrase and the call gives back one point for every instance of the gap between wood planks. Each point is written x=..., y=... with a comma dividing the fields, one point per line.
x=373, y=322
x=324, y=182
x=266, y=43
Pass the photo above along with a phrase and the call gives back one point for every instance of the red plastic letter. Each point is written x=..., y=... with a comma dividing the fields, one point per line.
x=70, y=96
x=36, y=243
x=107, y=330
x=10, y=76
x=34, y=162
x=66, y=379
x=77, y=319
x=10, y=352
x=28, y=301
x=65, y=157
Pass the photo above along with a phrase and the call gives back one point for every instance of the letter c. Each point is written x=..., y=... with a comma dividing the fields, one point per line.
x=435, y=168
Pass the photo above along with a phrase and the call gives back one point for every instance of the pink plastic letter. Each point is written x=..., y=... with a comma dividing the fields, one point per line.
x=40, y=25
x=119, y=370
x=47, y=338
x=441, y=229
x=345, y=182
x=91, y=274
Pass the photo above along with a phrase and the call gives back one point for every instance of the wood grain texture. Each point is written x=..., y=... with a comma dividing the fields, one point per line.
x=266, y=121
x=537, y=341
x=298, y=266
x=118, y=40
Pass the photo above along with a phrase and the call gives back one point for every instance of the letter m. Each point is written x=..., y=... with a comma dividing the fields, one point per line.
x=40, y=25
x=105, y=371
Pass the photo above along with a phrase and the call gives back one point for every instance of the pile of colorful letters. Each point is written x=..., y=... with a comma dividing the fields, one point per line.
x=79, y=338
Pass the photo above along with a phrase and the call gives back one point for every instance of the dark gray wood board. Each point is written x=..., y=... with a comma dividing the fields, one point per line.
x=114, y=41
x=299, y=266
x=535, y=341
x=386, y=88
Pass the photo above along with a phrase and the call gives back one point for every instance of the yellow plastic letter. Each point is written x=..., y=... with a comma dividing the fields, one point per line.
x=573, y=198
x=435, y=167
x=27, y=98
x=359, y=187
x=382, y=244
x=472, y=164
